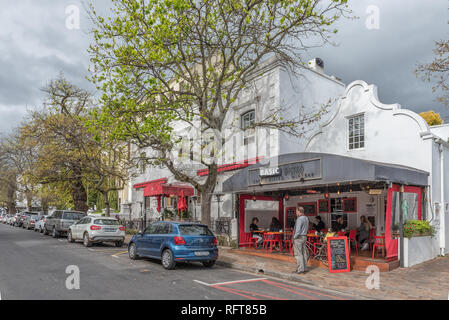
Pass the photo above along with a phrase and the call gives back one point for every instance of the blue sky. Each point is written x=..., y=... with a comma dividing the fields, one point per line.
x=36, y=46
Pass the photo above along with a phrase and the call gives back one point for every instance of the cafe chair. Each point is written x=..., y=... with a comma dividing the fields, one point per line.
x=379, y=243
x=341, y=234
x=271, y=240
x=353, y=238
x=288, y=242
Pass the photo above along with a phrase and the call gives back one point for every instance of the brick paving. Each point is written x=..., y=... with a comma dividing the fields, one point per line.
x=429, y=280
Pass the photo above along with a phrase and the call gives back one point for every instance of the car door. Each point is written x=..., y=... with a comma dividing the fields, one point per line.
x=161, y=233
x=146, y=241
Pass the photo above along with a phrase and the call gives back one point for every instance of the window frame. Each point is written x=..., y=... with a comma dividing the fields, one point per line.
x=361, y=134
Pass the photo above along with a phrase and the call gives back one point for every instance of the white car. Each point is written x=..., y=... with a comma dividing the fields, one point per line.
x=92, y=229
x=40, y=224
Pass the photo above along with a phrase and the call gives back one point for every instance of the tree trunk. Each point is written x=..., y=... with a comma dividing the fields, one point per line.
x=11, y=201
x=206, y=201
x=106, y=203
x=29, y=197
x=79, y=196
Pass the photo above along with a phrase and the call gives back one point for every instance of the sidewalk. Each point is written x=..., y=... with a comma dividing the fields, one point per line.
x=429, y=280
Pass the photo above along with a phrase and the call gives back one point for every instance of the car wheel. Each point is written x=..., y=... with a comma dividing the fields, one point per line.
x=70, y=238
x=119, y=244
x=54, y=233
x=168, y=261
x=132, y=252
x=86, y=240
x=209, y=263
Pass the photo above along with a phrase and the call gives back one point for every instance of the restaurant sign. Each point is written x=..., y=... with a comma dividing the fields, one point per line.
x=288, y=172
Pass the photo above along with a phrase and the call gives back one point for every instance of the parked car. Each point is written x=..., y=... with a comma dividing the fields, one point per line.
x=40, y=223
x=30, y=220
x=92, y=229
x=59, y=221
x=3, y=217
x=173, y=242
x=20, y=219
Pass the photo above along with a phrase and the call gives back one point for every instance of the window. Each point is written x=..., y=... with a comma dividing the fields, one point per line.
x=248, y=119
x=356, y=132
x=194, y=230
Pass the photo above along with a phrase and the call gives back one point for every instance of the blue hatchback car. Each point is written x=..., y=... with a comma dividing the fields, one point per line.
x=173, y=242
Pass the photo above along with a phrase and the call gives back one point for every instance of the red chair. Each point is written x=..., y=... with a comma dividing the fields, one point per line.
x=379, y=242
x=287, y=242
x=271, y=240
x=372, y=234
x=353, y=238
x=324, y=231
x=341, y=234
x=249, y=240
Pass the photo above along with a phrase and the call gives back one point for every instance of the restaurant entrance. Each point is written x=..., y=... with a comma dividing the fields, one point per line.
x=340, y=195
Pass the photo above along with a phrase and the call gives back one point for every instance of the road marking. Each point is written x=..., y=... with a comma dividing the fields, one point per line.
x=119, y=253
x=229, y=282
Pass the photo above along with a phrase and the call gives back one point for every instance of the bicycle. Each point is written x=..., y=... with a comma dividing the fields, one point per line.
x=318, y=252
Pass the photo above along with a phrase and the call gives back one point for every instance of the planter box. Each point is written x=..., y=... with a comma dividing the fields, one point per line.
x=419, y=249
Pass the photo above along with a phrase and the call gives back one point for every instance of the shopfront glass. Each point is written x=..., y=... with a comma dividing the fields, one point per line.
x=410, y=209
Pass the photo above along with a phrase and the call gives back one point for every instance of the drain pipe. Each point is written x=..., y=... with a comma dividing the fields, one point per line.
x=442, y=200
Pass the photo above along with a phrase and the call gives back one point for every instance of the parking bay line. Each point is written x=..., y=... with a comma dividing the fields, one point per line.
x=229, y=282
x=115, y=255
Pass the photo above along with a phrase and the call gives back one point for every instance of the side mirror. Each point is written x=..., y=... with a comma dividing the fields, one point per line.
x=140, y=233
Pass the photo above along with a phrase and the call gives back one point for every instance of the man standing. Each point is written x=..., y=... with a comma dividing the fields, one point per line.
x=299, y=240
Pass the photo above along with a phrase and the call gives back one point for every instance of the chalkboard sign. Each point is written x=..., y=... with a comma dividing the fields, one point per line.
x=291, y=213
x=338, y=254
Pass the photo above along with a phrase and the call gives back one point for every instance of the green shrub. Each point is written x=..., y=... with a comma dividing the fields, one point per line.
x=131, y=231
x=418, y=228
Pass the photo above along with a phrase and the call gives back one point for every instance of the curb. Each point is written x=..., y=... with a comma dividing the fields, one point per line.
x=285, y=276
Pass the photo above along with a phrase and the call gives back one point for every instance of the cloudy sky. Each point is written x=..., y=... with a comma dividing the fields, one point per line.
x=36, y=45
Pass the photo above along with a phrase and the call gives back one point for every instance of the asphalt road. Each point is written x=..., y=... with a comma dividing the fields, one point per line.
x=34, y=266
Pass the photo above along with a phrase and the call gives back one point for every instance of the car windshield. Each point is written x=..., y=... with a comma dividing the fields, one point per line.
x=106, y=222
x=194, y=230
x=73, y=215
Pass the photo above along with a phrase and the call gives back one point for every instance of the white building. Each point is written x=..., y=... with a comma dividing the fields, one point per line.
x=272, y=90
x=353, y=162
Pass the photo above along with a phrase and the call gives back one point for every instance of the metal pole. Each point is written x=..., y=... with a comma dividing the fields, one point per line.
x=401, y=226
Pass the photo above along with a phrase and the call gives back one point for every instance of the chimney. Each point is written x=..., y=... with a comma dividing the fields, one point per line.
x=317, y=65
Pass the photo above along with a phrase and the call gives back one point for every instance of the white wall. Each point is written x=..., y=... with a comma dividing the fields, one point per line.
x=392, y=134
x=305, y=94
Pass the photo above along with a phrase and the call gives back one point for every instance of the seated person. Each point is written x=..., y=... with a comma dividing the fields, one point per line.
x=319, y=225
x=253, y=227
x=363, y=232
x=339, y=225
x=275, y=225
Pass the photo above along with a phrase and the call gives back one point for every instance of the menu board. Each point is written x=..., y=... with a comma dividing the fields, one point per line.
x=291, y=213
x=338, y=254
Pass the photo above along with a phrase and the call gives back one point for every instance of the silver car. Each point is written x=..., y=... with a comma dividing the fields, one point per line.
x=94, y=229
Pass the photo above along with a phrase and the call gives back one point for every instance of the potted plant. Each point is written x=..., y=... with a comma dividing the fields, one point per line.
x=417, y=228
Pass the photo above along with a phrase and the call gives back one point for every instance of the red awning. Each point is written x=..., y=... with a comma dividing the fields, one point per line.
x=231, y=166
x=160, y=187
